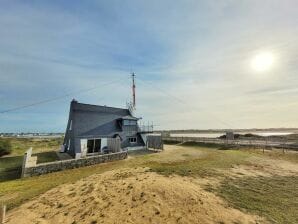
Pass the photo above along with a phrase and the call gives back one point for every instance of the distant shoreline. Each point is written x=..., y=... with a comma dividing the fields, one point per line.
x=293, y=130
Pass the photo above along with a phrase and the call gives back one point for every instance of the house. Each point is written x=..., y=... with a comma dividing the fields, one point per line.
x=92, y=128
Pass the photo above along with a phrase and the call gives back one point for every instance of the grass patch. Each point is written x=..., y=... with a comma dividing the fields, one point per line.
x=11, y=167
x=16, y=192
x=184, y=161
x=208, y=145
x=20, y=145
x=201, y=144
x=206, y=165
x=275, y=197
x=5, y=147
x=289, y=155
x=45, y=157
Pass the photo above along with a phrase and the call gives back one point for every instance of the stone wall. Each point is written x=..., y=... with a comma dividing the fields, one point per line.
x=43, y=168
x=28, y=160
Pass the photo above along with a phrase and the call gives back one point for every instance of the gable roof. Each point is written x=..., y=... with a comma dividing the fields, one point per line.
x=96, y=120
x=76, y=106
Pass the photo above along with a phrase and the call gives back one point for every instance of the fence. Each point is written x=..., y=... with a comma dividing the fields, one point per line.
x=145, y=128
x=114, y=144
x=239, y=142
x=154, y=142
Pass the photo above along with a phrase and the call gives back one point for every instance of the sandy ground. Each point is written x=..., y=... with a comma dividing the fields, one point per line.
x=139, y=196
x=129, y=196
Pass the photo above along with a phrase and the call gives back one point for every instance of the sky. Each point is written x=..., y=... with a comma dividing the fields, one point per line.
x=192, y=59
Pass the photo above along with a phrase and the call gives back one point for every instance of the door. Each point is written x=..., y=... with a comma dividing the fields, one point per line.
x=93, y=145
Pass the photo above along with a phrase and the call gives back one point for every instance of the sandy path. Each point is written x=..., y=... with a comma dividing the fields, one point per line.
x=129, y=196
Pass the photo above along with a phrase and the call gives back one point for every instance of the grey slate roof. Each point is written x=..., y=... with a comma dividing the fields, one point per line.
x=93, y=120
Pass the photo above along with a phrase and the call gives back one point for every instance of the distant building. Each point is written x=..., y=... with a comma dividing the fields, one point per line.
x=91, y=127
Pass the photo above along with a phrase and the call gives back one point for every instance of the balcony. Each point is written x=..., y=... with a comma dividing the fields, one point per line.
x=145, y=128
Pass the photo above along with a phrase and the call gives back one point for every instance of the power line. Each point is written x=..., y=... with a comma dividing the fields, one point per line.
x=57, y=98
x=105, y=84
x=182, y=101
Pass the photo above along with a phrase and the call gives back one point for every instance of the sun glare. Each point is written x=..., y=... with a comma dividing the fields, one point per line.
x=262, y=61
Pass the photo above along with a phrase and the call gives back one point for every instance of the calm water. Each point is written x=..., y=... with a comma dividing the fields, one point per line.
x=216, y=135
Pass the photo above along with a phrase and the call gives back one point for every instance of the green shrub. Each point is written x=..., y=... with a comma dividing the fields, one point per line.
x=5, y=147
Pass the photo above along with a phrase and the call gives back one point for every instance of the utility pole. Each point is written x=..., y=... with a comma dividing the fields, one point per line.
x=133, y=90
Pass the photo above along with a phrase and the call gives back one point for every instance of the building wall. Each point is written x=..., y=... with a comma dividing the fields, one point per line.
x=125, y=142
x=69, y=134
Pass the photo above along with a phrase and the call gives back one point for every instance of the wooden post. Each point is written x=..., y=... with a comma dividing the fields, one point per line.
x=2, y=213
x=283, y=148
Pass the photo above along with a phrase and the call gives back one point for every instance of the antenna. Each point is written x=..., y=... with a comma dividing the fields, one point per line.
x=133, y=90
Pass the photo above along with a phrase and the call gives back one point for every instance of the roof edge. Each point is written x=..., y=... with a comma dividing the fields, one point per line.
x=100, y=106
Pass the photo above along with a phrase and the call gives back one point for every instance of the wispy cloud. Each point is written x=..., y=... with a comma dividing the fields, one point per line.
x=197, y=51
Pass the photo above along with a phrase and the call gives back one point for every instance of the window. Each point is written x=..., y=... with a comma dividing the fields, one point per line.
x=93, y=145
x=129, y=122
x=133, y=140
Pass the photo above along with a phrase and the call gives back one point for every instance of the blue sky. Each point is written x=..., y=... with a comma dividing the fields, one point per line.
x=192, y=60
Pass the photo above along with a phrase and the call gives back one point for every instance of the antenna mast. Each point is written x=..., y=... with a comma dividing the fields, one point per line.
x=133, y=90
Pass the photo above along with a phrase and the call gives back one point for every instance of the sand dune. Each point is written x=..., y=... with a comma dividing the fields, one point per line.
x=129, y=196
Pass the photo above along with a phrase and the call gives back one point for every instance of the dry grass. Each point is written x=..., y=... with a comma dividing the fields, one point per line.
x=129, y=196
x=274, y=197
x=21, y=145
x=247, y=179
x=11, y=167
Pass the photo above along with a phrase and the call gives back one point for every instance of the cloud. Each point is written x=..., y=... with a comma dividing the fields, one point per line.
x=197, y=52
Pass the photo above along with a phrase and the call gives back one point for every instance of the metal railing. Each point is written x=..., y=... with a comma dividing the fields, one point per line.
x=145, y=128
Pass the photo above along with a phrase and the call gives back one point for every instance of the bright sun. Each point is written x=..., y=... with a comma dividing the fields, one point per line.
x=262, y=61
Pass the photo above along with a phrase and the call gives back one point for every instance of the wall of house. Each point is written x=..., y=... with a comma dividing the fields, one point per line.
x=69, y=133
x=43, y=168
x=131, y=130
x=90, y=121
x=125, y=141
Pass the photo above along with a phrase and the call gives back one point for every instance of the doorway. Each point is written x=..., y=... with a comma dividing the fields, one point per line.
x=93, y=145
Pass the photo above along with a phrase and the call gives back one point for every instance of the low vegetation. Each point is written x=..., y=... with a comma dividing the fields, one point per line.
x=16, y=192
x=11, y=163
x=5, y=147
x=274, y=197
x=206, y=165
x=11, y=167
x=20, y=145
x=271, y=196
